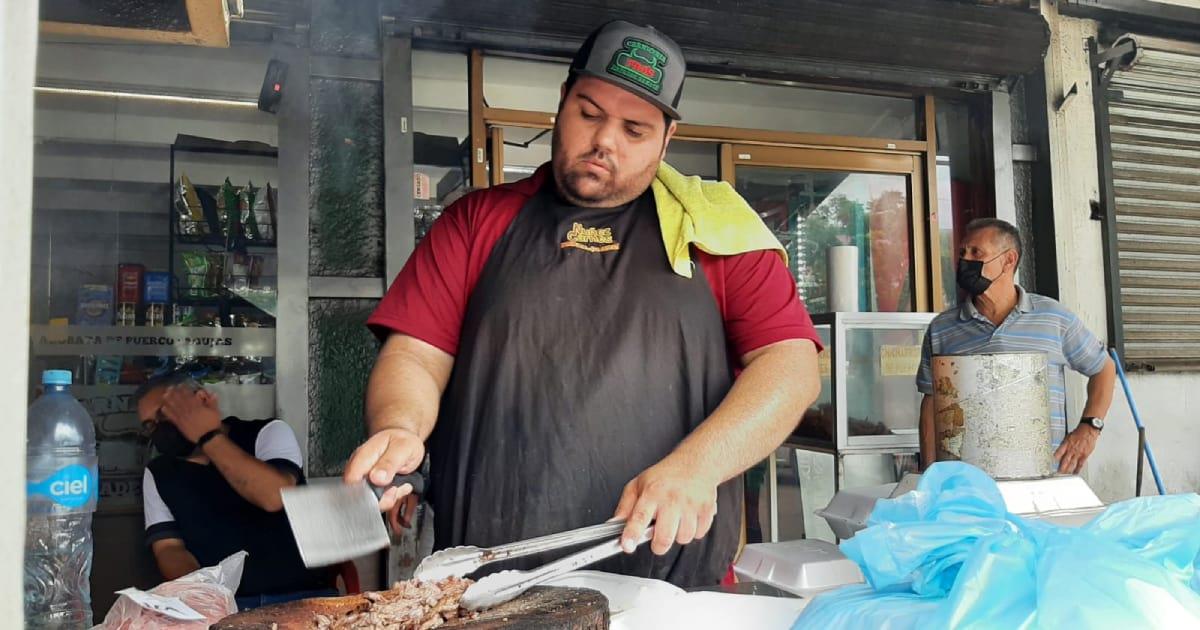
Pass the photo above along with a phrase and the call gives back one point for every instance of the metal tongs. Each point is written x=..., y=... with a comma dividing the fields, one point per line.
x=503, y=586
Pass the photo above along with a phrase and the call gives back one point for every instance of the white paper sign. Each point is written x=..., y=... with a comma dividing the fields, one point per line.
x=172, y=607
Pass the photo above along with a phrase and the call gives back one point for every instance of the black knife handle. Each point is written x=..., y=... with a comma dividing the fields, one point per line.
x=416, y=479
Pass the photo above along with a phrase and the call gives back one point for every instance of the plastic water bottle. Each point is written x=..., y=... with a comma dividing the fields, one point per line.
x=60, y=492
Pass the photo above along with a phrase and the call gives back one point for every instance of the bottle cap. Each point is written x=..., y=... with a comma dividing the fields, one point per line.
x=56, y=377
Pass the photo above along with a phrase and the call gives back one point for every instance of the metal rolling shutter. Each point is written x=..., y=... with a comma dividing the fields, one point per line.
x=1154, y=126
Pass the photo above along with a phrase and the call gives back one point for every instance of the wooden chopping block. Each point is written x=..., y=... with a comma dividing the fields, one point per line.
x=541, y=608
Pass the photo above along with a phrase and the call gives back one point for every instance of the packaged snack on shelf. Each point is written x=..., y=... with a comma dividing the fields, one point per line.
x=129, y=282
x=211, y=218
x=188, y=210
x=156, y=293
x=155, y=314
x=215, y=278
x=108, y=370
x=264, y=213
x=246, y=199
x=133, y=371
x=94, y=305
x=157, y=287
x=184, y=316
x=196, y=264
x=227, y=211
x=127, y=313
x=238, y=267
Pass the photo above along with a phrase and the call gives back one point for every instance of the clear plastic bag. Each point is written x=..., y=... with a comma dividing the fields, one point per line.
x=196, y=600
x=949, y=555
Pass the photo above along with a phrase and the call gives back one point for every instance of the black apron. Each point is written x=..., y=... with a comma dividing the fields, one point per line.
x=583, y=360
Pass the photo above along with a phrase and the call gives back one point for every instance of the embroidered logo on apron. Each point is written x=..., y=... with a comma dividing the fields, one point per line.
x=590, y=239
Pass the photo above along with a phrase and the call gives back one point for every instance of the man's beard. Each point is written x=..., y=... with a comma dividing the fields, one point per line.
x=569, y=178
x=571, y=188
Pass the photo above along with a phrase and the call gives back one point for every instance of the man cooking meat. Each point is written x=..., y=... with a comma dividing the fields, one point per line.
x=214, y=488
x=1000, y=316
x=567, y=344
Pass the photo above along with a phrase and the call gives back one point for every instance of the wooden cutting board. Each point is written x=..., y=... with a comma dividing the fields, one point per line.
x=542, y=608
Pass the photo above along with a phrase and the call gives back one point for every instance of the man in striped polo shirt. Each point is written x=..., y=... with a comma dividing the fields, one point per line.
x=1000, y=316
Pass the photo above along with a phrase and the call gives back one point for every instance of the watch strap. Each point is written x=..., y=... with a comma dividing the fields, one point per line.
x=204, y=439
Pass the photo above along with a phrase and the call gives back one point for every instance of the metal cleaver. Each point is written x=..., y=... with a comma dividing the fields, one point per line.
x=334, y=521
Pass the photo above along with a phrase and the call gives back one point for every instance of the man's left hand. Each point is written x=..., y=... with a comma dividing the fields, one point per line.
x=193, y=412
x=681, y=502
x=1072, y=454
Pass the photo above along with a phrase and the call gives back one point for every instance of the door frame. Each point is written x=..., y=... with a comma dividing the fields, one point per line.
x=910, y=164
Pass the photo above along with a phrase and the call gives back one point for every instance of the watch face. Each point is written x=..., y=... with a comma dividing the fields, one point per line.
x=1095, y=422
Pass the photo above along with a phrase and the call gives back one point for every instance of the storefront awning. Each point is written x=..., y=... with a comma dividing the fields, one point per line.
x=923, y=43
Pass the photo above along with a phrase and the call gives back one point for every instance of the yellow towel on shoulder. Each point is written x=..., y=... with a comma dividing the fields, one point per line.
x=709, y=215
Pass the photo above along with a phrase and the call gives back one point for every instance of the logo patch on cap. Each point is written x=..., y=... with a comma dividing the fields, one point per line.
x=641, y=63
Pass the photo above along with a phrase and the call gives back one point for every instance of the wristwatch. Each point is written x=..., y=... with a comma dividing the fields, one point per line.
x=1095, y=423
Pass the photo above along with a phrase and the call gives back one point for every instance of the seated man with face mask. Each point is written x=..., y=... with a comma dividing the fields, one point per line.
x=214, y=488
x=997, y=316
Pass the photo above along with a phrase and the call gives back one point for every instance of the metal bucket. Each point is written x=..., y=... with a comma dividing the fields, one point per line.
x=993, y=411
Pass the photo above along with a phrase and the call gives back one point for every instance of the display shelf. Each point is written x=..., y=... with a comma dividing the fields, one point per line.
x=206, y=236
x=869, y=399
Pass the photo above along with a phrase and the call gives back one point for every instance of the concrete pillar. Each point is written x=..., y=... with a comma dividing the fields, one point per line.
x=1080, y=254
x=18, y=47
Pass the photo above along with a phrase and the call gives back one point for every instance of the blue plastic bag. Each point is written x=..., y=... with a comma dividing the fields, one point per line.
x=949, y=555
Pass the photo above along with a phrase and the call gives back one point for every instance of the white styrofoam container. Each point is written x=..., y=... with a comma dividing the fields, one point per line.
x=1053, y=494
x=907, y=484
x=1066, y=500
x=847, y=512
x=802, y=567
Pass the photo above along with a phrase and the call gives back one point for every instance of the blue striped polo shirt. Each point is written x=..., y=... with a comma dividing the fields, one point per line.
x=1037, y=324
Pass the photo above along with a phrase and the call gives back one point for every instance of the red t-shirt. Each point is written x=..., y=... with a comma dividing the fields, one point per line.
x=754, y=291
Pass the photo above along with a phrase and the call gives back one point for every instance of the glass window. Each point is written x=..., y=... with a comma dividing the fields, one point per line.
x=695, y=158
x=810, y=211
x=732, y=103
x=525, y=84
x=524, y=150
x=881, y=365
x=127, y=283
x=113, y=257
x=964, y=179
x=441, y=130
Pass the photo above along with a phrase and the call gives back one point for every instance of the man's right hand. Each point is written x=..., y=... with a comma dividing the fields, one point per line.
x=388, y=453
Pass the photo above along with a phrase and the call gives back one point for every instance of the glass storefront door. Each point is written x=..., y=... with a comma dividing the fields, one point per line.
x=817, y=198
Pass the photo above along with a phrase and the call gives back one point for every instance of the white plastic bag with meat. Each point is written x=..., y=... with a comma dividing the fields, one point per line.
x=196, y=600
